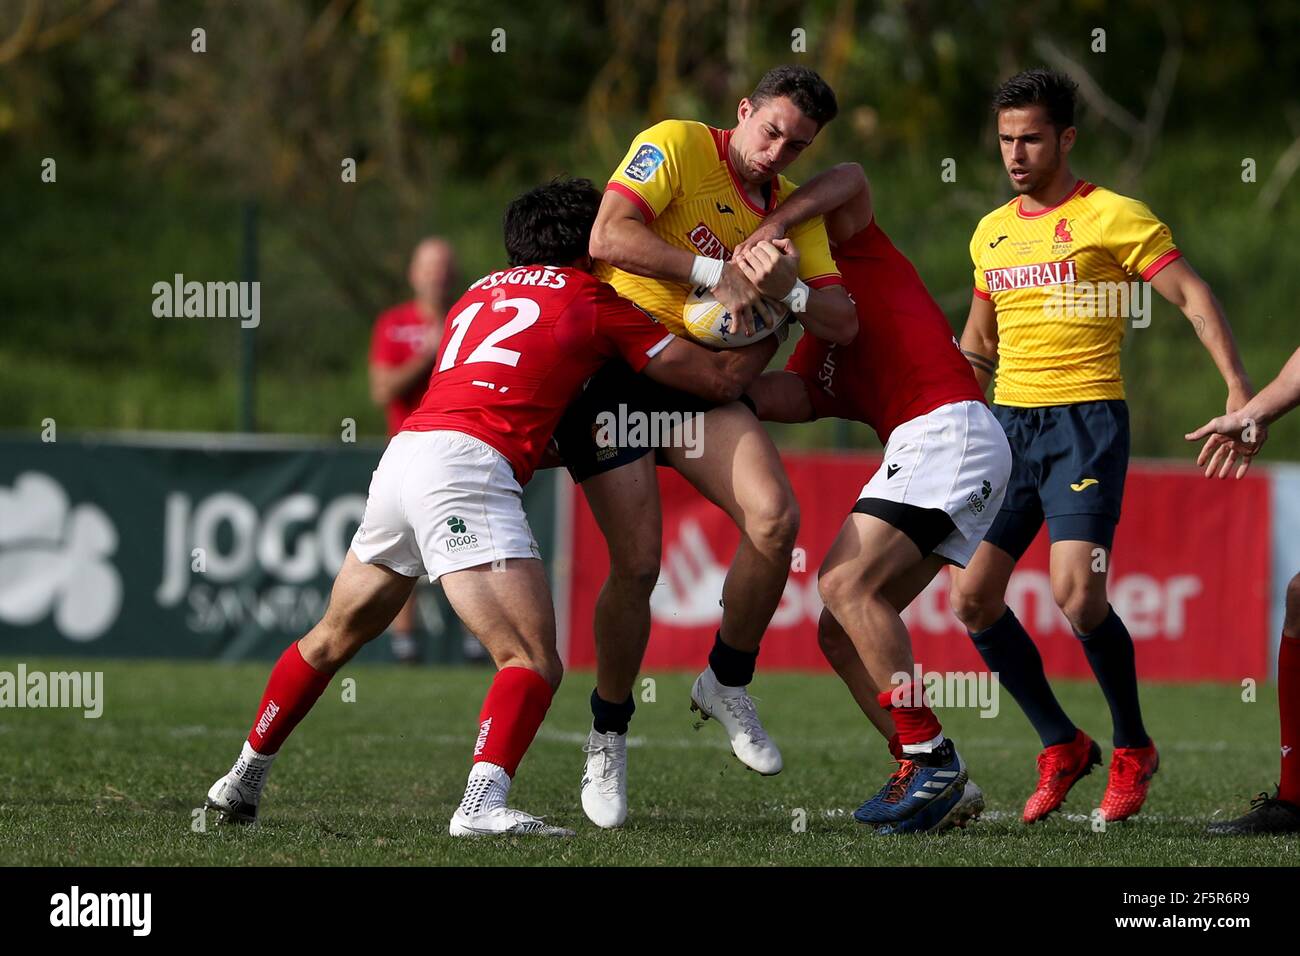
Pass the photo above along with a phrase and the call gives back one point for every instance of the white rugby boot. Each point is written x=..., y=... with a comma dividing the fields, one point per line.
x=502, y=821
x=604, y=779
x=236, y=795
x=483, y=810
x=734, y=709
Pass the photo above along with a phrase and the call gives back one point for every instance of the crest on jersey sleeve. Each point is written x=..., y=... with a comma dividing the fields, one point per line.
x=648, y=158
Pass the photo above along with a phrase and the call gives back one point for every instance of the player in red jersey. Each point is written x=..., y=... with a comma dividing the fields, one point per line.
x=406, y=337
x=403, y=346
x=945, y=467
x=447, y=500
x=1238, y=436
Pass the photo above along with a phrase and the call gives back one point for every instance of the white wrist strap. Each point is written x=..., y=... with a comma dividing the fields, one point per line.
x=797, y=297
x=705, y=272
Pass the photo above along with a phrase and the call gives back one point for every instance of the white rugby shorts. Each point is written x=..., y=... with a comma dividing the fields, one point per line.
x=442, y=501
x=954, y=459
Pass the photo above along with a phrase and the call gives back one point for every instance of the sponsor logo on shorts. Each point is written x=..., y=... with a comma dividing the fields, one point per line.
x=1086, y=483
x=891, y=471
x=975, y=503
x=603, y=452
x=648, y=158
x=460, y=538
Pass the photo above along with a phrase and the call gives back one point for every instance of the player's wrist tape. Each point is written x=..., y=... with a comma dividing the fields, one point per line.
x=705, y=272
x=797, y=297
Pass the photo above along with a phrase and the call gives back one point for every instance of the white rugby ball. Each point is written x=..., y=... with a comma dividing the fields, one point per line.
x=706, y=320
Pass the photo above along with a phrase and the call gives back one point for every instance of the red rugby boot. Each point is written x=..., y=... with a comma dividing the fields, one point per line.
x=1060, y=767
x=1131, y=770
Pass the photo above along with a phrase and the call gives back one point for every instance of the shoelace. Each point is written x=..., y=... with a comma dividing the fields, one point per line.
x=250, y=776
x=899, y=781
x=1051, y=765
x=742, y=708
x=612, y=759
x=1128, y=769
x=1263, y=800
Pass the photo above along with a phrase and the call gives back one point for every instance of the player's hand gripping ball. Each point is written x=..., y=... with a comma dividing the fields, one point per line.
x=707, y=320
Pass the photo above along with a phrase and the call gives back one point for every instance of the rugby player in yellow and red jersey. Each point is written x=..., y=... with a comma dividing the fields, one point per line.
x=1049, y=264
x=683, y=196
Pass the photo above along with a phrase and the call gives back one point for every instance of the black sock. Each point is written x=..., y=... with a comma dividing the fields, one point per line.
x=611, y=718
x=1109, y=650
x=731, y=667
x=1010, y=653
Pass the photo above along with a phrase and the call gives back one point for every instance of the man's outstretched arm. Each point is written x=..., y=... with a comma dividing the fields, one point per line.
x=781, y=397
x=719, y=376
x=841, y=195
x=1241, y=429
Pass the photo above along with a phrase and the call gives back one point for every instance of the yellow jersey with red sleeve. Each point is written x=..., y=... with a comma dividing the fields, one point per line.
x=678, y=173
x=1062, y=280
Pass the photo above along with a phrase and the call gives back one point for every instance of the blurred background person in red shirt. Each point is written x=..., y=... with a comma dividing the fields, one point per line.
x=402, y=350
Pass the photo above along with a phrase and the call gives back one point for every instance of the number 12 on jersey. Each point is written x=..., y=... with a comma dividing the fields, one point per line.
x=526, y=312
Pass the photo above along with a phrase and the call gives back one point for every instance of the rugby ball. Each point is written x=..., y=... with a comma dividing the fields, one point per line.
x=706, y=320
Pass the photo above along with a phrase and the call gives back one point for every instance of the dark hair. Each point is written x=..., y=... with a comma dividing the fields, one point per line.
x=551, y=224
x=1039, y=87
x=805, y=89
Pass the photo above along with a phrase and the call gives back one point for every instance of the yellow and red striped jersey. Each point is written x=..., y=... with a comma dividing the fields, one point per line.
x=679, y=175
x=1059, y=279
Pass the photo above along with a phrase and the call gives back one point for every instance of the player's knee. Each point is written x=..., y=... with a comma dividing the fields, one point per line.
x=844, y=585
x=976, y=609
x=832, y=587
x=635, y=572
x=1291, y=619
x=552, y=670
x=335, y=639
x=1084, y=607
x=773, y=524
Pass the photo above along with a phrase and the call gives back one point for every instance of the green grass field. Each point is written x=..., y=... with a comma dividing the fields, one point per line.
x=374, y=782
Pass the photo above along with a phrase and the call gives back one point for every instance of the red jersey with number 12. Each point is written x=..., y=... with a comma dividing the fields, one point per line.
x=516, y=350
x=905, y=361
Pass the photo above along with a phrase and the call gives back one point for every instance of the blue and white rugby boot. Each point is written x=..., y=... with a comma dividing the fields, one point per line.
x=919, y=795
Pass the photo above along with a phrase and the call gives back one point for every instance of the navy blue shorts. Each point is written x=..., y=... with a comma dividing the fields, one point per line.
x=1068, y=464
x=614, y=385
